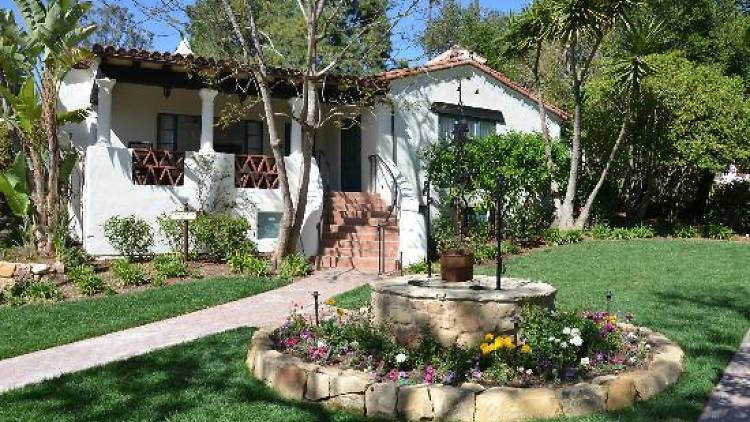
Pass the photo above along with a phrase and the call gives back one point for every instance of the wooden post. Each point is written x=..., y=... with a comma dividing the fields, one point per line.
x=185, y=237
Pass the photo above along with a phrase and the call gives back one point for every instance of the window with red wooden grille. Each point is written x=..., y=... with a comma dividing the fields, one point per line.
x=255, y=171
x=158, y=167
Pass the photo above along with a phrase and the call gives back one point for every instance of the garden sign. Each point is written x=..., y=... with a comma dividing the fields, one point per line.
x=185, y=216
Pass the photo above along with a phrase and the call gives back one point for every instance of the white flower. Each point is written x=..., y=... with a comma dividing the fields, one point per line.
x=321, y=343
x=551, y=339
x=566, y=331
x=564, y=345
x=585, y=361
x=575, y=332
x=633, y=359
x=576, y=341
x=557, y=340
x=520, y=369
x=632, y=336
x=400, y=358
x=648, y=347
x=529, y=372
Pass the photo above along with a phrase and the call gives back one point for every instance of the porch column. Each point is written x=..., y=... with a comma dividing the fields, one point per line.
x=207, y=119
x=104, y=111
x=295, y=139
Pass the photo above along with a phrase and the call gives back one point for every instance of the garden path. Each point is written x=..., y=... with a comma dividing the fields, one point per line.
x=261, y=310
x=730, y=400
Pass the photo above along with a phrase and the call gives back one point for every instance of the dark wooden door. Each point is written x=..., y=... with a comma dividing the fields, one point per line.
x=351, y=158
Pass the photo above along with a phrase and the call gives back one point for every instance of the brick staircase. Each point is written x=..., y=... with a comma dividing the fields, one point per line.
x=350, y=237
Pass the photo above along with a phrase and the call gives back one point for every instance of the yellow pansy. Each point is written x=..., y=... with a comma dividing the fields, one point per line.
x=489, y=337
x=525, y=348
x=330, y=302
x=613, y=319
x=340, y=311
x=486, y=348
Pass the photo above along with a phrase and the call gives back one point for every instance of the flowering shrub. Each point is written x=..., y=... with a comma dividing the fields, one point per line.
x=550, y=346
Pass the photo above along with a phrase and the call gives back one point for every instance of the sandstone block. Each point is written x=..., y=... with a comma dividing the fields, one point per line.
x=266, y=363
x=414, y=402
x=350, y=382
x=620, y=393
x=380, y=400
x=7, y=269
x=647, y=383
x=512, y=404
x=472, y=386
x=353, y=402
x=469, y=339
x=583, y=399
x=452, y=403
x=289, y=381
x=318, y=386
x=39, y=269
x=666, y=371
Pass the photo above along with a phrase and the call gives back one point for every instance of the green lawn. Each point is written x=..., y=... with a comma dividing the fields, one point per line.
x=34, y=327
x=696, y=292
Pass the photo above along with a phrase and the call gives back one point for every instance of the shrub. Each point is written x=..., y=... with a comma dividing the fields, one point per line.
x=169, y=266
x=563, y=237
x=600, y=232
x=171, y=231
x=75, y=256
x=419, y=267
x=217, y=236
x=130, y=274
x=718, y=232
x=620, y=233
x=685, y=232
x=295, y=265
x=248, y=264
x=129, y=236
x=729, y=205
x=41, y=291
x=642, y=232
x=527, y=221
x=484, y=252
x=86, y=280
x=508, y=248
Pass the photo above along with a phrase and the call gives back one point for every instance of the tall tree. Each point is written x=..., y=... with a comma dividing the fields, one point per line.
x=116, y=25
x=46, y=48
x=282, y=28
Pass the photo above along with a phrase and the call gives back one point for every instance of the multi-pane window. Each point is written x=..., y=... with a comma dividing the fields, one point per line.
x=179, y=132
x=478, y=128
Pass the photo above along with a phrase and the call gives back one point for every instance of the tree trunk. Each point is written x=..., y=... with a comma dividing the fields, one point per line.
x=39, y=196
x=565, y=219
x=49, y=122
x=586, y=210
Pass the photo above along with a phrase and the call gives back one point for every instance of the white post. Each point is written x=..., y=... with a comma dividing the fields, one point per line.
x=104, y=111
x=207, y=119
x=296, y=136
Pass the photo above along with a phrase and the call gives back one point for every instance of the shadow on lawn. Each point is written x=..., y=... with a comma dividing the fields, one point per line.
x=206, y=380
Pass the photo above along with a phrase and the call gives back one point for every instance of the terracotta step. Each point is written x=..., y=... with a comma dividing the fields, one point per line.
x=361, y=264
x=350, y=228
x=361, y=237
x=354, y=195
x=360, y=252
x=360, y=221
x=358, y=214
x=364, y=245
x=342, y=206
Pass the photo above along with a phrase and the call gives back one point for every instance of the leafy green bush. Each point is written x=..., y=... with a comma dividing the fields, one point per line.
x=129, y=236
x=169, y=266
x=527, y=221
x=642, y=232
x=86, y=280
x=74, y=256
x=41, y=291
x=685, y=232
x=419, y=267
x=563, y=237
x=130, y=274
x=484, y=252
x=600, y=232
x=171, y=231
x=718, y=232
x=508, y=248
x=620, y=233
x=248, y=264
x=295, y=265
x=729, y=205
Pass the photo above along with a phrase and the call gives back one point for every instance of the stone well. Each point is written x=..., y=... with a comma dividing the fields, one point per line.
x=454, y=313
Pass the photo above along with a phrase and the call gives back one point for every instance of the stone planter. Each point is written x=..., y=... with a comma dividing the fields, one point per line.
x=455, y=267
x=361, y=392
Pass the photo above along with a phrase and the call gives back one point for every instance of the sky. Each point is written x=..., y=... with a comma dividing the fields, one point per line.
x=167, y=38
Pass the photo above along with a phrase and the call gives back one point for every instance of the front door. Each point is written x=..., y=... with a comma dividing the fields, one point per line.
x=351, y=158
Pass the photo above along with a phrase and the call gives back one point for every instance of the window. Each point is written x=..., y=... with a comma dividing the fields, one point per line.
x=179, y=132
x=268, y=225
x=478, y=128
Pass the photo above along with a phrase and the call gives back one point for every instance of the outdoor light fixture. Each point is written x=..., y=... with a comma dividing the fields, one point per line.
x=500, y=183
x=609, y=301
x=316, y=295
x=428, y=202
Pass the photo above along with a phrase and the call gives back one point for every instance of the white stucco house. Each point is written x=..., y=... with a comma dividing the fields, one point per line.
x=152, y=143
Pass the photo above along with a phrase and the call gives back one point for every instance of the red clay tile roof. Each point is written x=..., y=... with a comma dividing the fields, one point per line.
x=449, y=64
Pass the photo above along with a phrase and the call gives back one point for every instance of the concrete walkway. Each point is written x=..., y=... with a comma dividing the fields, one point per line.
x=265, y=309
x=730, y=400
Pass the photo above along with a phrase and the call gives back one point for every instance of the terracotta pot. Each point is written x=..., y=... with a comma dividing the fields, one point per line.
x=456, y=267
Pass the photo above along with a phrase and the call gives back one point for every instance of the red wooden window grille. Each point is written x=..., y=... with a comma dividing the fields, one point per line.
x=158, y=167
x=255, y=171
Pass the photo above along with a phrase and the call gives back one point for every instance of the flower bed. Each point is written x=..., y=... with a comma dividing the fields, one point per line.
x=559, y=363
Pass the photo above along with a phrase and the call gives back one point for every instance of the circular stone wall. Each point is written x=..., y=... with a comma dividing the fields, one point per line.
x=454, y=313
x=361, y=392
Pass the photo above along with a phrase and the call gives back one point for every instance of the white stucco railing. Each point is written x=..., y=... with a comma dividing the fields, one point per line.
x=108, y=190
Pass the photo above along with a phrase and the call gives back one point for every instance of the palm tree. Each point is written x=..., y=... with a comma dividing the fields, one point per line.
x=42, y=52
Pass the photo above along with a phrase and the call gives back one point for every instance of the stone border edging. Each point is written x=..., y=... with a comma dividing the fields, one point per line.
x=357, y=391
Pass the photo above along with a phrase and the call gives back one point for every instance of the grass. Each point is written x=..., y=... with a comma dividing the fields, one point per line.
x=693, y=291
x=354, y=299
x=34, y=327
x=201, y=381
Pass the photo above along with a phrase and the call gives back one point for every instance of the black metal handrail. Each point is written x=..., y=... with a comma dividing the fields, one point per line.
x=322, y=161
x=375, y=162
